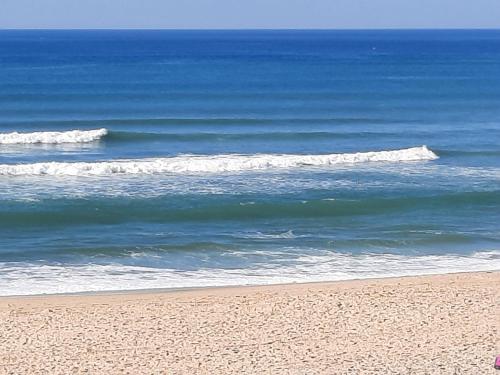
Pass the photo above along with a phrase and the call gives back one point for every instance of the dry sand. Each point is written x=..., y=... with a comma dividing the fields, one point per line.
x=447, y=324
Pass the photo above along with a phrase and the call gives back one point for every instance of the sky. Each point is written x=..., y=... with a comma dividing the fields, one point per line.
x=248, y=14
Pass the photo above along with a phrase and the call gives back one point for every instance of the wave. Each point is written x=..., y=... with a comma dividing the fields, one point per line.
x=33, y=278
x=124, y=136
x=219, y=121
x=213, y=163
x=475, y=153
x=64, y=212
x=247, y=245
x=72, y=136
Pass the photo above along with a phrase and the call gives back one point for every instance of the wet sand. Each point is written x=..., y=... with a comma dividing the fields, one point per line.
x=444, y=324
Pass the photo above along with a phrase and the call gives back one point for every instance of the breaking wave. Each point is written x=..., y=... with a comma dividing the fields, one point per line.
x=213, y=164
x=72, y=136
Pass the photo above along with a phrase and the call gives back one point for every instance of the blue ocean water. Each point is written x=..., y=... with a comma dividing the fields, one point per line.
x=144, y=159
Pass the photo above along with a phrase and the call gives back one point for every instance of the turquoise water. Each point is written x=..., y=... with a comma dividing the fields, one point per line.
x=245, y=157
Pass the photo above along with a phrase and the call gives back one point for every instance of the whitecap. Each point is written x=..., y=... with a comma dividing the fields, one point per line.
x=72, y=136
x=186, y=164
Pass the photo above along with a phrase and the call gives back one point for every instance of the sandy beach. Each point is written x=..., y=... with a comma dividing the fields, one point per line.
x=445, y=324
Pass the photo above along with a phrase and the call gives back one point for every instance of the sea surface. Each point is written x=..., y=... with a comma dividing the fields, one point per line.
x=158, y=159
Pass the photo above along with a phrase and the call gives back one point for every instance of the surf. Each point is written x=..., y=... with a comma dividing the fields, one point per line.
x=185, y=164
x=25, y=278
x=71, y=136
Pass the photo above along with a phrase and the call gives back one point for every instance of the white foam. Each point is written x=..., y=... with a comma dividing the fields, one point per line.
x=264, y=236
x=25, y=279
x=72, y=136
x=214, y=163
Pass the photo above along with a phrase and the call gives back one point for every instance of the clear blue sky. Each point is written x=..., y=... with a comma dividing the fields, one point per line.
x=249, y=14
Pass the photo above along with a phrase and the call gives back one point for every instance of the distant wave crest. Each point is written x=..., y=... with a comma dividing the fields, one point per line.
x=72, y=136
x=213, y=163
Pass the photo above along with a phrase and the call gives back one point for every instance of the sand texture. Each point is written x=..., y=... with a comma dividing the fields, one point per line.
x=445, y=324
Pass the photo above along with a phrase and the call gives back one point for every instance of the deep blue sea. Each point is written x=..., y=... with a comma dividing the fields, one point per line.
x=157, y=159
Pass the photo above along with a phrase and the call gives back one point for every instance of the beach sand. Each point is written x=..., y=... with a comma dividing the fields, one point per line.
x=445, y=324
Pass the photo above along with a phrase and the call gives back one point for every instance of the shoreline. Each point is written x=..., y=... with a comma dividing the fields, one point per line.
x=166, y=290
x=446, y=324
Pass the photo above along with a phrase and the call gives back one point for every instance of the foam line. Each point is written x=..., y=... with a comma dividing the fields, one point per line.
x=213, y=163
x=72, y=136
x=24, y=279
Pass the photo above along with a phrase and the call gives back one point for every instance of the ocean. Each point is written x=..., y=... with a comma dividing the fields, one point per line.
x=170, y=159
